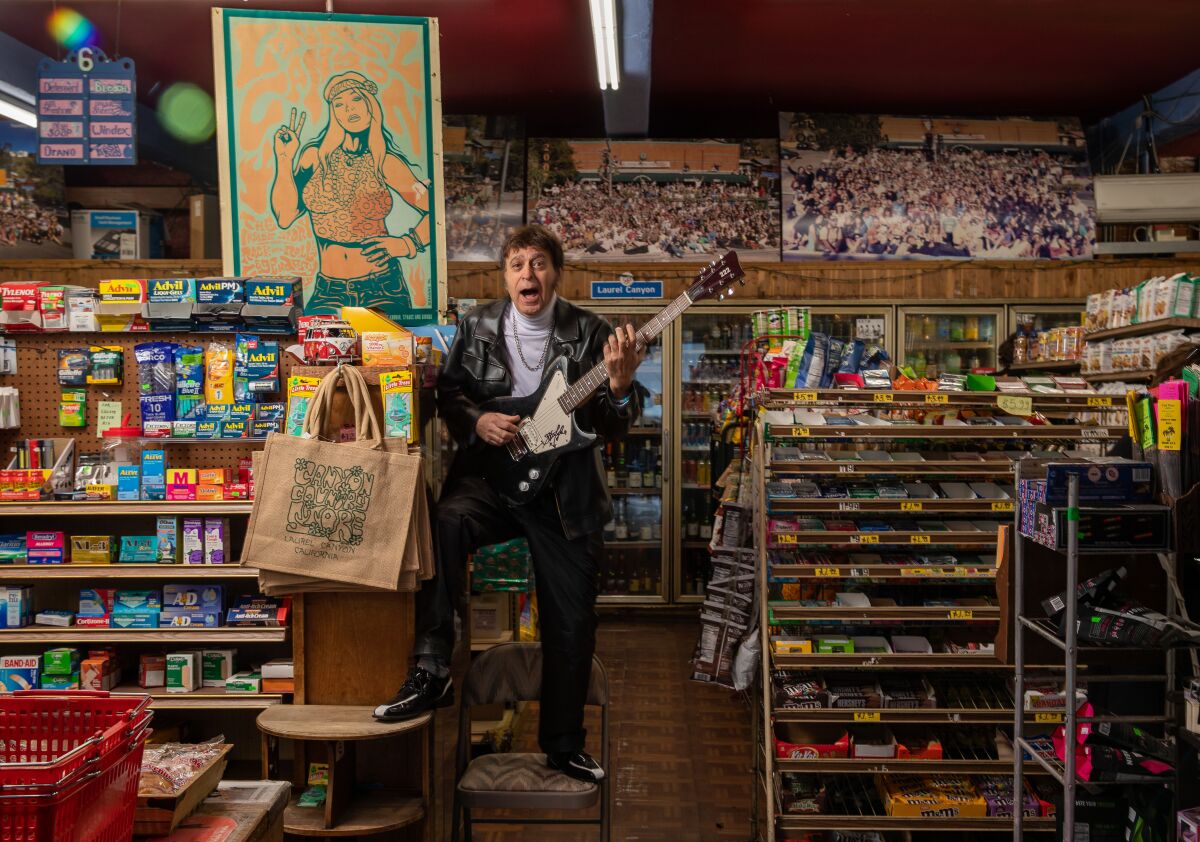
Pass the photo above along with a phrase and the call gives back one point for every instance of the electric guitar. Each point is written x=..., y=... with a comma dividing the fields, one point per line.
x=547, y=428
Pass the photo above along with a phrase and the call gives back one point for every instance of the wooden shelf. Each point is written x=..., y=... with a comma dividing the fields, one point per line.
x=785, y=540
x=43, y=572
x=696, y=416
x=940, y=505
x=645, y=431
x=979, y=432
x=224, y=634
x=783, y=398
x=1117, y=376
x=333, y=722
x=206, y=698
x=614, y=544
x=914, y=573
x=1046, y=365
x=789, y=822
x=983, y=468
x=710, y=352
x=696, y=545
x=193, y=440
x=892, y=766
x=652, y=491
x=1142, y=329
x=365, y=815
x=905, y=661
x=105, y=508
x=938, y=344
x=784, y=613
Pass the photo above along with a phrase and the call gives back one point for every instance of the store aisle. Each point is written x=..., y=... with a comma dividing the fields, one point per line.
x=681, y=750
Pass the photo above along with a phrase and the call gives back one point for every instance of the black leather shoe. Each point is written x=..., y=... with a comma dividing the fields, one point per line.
x=423, y=691
x=577, y=764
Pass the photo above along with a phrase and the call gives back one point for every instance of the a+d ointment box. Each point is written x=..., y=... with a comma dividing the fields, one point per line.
x=192, y=597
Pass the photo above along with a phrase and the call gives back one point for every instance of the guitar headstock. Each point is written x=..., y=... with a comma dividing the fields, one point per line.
x=717, y=279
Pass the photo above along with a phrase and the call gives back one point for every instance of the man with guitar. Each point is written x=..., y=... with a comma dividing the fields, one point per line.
x=507, y=356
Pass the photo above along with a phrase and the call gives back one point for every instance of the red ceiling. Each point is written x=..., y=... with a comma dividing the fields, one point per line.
x=725, y=67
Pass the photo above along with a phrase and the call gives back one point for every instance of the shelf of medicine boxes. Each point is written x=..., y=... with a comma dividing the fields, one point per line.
x=105, y=508
x=779, y=398
x=223, y=634
x=205, y=698
x=179, y=572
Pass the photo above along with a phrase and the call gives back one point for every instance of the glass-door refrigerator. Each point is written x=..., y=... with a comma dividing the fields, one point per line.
x=634, y=567
x=1047, y=338
x=711, y=340
x=950, y=340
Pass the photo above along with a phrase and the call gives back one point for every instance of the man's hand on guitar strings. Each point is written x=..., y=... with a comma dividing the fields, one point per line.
x=621, y=358
x=496, y=427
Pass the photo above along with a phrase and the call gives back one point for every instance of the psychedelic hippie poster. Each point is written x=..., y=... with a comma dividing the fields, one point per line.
x=329, y=132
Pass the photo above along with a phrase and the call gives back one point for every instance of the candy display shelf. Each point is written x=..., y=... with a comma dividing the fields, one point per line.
x=1142, y=329
x=841, y=545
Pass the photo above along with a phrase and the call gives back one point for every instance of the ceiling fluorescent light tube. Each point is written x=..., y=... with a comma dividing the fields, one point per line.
x=18, y=113
x=610, y=42
x=598, y=41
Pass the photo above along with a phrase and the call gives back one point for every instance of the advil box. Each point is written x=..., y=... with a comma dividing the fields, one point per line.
x=272, y=304
x=169, y=302
x=20, y=306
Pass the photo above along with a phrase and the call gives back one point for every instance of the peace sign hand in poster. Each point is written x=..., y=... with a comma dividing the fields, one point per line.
x=287, y=139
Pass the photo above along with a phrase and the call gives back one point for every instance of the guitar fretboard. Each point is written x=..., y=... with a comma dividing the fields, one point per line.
x=583, y=388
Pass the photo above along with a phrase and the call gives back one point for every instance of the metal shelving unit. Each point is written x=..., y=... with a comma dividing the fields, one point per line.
x=779, y=521
x=1064, y=771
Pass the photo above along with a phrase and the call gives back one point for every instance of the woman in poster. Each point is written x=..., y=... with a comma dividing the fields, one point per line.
x=344, y=179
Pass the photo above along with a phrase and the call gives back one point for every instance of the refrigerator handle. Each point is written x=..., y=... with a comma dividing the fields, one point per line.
x=668, y=456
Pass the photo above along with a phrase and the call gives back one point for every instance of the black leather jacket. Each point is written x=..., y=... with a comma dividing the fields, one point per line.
x=476, y=370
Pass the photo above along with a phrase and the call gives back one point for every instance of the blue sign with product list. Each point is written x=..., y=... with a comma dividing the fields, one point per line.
x=86, y=108
x=627, y=288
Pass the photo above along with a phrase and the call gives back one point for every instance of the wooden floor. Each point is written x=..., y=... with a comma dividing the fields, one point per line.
x=681, y=750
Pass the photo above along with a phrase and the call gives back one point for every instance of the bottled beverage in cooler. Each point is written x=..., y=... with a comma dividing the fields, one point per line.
x=620, y=528
x=622, y=583
x=648, y=466
x=610, y=467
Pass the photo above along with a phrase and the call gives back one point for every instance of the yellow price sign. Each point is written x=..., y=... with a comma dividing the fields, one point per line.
x=1101, y=400
x=866, y=716
x=936, y=398
x=914, y=571
x=1002, y=507
x=1047, y=717
x=1015, y=404
x=961, y=614
x=804, y=397
x=920, y=539
x=828, y=572
x=800, y=432
x=864, y=539
x=884, y=397
x=786, y=538
x=911, y=506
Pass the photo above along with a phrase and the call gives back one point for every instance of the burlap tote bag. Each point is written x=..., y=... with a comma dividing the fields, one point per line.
x=333, y=511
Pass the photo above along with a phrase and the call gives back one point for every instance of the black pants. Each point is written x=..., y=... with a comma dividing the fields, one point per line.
x=470, y=515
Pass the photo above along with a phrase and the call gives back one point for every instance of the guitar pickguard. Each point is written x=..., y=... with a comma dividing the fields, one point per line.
x=549, y=428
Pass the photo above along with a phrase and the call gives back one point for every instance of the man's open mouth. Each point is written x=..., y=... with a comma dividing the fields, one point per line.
x=530, y=293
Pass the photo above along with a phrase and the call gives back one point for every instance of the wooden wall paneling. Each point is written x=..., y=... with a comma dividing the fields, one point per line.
x=885, y=281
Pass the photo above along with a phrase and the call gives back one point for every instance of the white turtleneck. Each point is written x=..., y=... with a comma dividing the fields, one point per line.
x=534, y=332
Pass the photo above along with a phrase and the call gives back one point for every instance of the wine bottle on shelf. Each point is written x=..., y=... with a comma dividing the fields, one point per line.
x=622, y=584
x=621, y=528
x=622, y=474
x=648, y=467
x=635, y=470
x=706, y=529
x=648, y=579
x=610, y=467
x=657, y=466
x=691, y=526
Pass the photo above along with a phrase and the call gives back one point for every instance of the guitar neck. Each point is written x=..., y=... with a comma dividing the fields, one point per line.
x=585, y=386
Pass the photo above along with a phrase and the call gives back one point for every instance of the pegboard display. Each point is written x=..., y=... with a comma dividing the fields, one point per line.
x=37, y=380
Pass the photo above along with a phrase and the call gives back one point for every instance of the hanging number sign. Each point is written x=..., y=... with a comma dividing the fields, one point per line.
x=87, y=108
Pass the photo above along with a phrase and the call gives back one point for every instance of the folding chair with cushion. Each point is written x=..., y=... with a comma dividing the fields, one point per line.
x=512, y=672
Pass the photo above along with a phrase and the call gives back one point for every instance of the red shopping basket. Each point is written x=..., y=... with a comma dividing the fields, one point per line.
x=69, y=765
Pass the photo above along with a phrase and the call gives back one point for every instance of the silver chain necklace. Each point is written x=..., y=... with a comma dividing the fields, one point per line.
x=521, y=352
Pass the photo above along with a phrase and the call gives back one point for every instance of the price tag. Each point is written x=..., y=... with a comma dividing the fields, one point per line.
x=866, y=716
x=859, y=571
x=864, y=539
x=800, y=432
x=1101, y=400
x=884, y=397
x=786, y=539
x=1094, y=433
x=914, y=571
x=848, y=507
x=1005, y=506
x=961, y=614
x=108, y=415
x=920, y=539
x=911, y=506
x=828, y=572
x=1015, y=404
x=804, y=397
x=933, y=397
x=1047, y=717
x=845, y=469
x=1170, y=424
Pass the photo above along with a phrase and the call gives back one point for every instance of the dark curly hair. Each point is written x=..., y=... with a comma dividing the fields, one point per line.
x=534, y=236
